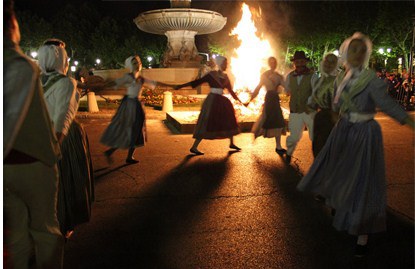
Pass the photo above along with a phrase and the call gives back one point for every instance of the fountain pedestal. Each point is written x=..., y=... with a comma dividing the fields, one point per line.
x=180, y=26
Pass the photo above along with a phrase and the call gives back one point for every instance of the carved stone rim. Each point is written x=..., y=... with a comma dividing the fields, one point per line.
x=161, y=20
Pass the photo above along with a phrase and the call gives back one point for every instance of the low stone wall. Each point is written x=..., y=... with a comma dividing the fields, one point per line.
x=172, y=76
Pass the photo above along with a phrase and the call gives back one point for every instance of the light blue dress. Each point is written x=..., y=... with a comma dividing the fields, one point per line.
x=350, y=169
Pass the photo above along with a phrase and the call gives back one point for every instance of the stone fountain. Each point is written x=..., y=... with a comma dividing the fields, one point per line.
x=181, y=60
x=180, y=24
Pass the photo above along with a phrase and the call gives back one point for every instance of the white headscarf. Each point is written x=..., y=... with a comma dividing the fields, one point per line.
x=343, y=59
x=335, y=71
x=53, y=58
x=219, y=60
x=324, y=75
x=345, y=47
x=128, y=62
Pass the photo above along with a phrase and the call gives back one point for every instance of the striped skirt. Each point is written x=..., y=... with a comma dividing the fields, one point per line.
x=76, y=181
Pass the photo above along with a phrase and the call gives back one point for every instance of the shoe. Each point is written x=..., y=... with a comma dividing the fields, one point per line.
x=233, y=146
x=281, y=151
x=108, y=157
x=131, y=160
x=196, y=152
x=287, y=158
x=361, y=251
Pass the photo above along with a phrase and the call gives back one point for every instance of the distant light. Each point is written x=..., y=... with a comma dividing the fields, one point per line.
x=336, y=52
x=388, y=50
x=214, y=56
x=98, y=61
x=149, y=58
x=33, y=54
x=75, y=63
x=69, y=59
x=381, y=51
x=399, y=60
x=73, y=68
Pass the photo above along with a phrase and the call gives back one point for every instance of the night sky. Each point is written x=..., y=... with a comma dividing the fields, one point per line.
x=114, y=7
x=277, y=14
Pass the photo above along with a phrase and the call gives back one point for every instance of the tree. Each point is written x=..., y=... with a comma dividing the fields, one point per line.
x=395, y=29
x=105, y=42
x=34, y=30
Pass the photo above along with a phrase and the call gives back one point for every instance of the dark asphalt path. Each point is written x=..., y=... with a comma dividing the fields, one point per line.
x=227, y=209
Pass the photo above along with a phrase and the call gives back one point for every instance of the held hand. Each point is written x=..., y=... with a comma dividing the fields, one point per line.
x=246, y=104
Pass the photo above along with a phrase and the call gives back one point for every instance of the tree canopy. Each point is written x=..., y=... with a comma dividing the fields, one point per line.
x=317, y=27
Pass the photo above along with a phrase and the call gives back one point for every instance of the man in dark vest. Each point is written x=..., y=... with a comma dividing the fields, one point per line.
x=299, y=85
x=30, y=155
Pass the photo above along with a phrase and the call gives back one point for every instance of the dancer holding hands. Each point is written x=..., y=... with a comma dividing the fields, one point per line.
x=271, y=121
x=127, y=128
x=217, y=117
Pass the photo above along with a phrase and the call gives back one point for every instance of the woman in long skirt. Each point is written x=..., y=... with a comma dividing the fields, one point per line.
x=321, y=100
x=217, y=117
x=76, y=184
x=271, y=121
x=350, y=170
x=127, y=128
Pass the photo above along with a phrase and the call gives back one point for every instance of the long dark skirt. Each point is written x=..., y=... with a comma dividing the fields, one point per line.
x=271, y=120
x=324, y=122
x=76, y=181
x=216, y=119
x=127, y=127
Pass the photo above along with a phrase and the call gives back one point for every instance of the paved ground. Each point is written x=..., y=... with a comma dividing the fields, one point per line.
x=227, y=209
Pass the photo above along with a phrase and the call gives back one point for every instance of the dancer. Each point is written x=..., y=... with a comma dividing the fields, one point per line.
x=321, y=101
x=299, y=85
x=350, y=171
x=217, y=117
x=271, y=121
x=127, y=128
x=76, y=186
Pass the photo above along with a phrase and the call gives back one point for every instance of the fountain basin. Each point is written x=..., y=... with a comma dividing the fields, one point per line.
x=160, y=21
x=172, y=76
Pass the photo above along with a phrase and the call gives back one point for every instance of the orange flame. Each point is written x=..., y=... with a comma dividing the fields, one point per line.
x=249, y=61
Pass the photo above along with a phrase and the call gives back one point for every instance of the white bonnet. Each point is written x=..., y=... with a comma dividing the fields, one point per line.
x=345, y=46
x=53, y=58
x=334, y=72
x=219, y=60
x=128, y=63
